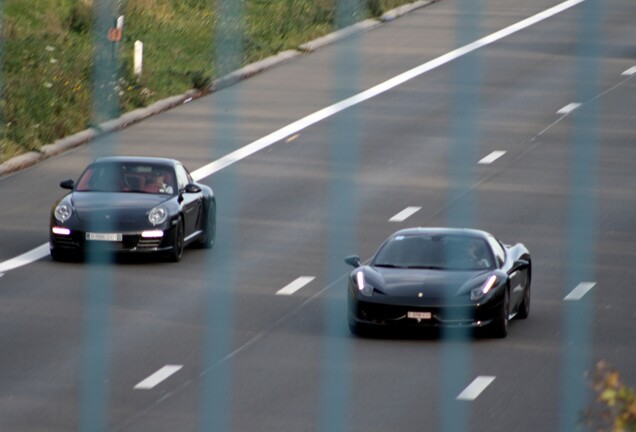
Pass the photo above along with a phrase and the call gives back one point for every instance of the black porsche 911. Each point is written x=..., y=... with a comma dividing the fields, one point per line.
x=132, y=205
x=440, y=277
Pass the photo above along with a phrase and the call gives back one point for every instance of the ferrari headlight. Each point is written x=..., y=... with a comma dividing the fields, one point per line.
x=478, y=293
x=157, y=215
x=364, y=287
x=63, y=212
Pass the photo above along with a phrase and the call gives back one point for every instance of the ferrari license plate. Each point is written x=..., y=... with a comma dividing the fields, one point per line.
x=420, y=315
x=109, y=237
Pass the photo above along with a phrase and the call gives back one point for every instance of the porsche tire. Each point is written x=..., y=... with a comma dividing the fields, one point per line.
x=178, y=243
x=209, y=233
x=60, y=255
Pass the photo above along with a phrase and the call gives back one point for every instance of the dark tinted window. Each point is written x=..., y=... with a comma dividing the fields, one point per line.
x=447, y=252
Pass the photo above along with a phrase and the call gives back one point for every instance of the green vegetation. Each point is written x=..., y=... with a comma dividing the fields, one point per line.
x=48, y=49
x=614, y=409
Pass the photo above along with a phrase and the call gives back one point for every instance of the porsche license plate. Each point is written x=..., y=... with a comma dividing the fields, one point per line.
x=109, y=237
x=420, y=315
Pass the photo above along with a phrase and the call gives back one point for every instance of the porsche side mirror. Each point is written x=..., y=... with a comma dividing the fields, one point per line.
x=353, y=260
x=67, y=184
x=192, y=188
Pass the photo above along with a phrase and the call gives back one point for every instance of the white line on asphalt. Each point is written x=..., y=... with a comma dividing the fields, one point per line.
x=629, y=72
x=292, y=138
x=26, y=258
x=295, y=285
x=475, y=388
x=405, y=214
x=569, y=108
x=157, y=377
x=329, y=111
x=580, y=290
x=492, y=157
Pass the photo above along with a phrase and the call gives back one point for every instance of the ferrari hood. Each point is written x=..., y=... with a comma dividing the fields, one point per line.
x=433, y=284
x=91, y=206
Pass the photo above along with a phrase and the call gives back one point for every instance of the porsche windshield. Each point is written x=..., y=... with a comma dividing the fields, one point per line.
x=127, y=177
x=437, y=252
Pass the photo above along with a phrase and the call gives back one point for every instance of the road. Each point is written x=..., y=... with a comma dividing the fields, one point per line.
x=529, y=136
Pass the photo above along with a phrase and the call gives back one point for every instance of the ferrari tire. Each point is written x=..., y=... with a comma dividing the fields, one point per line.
x=209, y=233
x=178, y=243
x=359, y=330
x=499, y=328
x=524, y=307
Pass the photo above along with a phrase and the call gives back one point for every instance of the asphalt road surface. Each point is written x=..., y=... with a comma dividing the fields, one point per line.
x=528, y=134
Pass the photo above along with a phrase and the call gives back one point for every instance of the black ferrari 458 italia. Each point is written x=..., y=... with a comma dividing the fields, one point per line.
x=440, y=277
x=132, y=205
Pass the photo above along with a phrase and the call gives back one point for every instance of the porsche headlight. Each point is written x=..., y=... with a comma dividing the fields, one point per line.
x=478, y=293
x=158, y=215
x=362, y=285
x=63, y=212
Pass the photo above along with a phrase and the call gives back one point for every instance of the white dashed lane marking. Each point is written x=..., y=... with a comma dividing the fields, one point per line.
x=492, y=157
x=157, y=377
x=475, y=388
x=405, y=214
x=295, y=285
x=580, y=290
x=297, y=126
x=569, y=108
x=629, y=72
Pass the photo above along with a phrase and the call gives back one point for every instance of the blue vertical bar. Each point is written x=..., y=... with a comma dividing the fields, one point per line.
x=216, y=397
x=581, y=238
x=342, y=229
x=94, y=405
x=456, y=352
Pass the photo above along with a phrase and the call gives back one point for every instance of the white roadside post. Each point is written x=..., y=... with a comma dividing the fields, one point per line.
x=139, y=58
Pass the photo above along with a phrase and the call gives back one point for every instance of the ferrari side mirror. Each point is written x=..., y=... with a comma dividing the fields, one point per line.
x=353, y=260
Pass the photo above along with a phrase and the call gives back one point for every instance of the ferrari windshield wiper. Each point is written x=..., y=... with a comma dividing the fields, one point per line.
x=388, y=265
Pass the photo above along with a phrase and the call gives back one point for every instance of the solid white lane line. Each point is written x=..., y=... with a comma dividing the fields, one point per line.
x=580, y=290
x=26, y=258
x=492, y=157
x=569, y=108
x=295, y=285
x=405, y=214
x=158, y=377
x=329, y=111
x=292, y=138
x=475, y=388
x=629, y=72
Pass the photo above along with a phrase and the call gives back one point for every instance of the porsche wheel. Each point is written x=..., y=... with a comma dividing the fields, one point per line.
x=209, y=234
x=178, y=242
x=499, y=328
x=59, y=255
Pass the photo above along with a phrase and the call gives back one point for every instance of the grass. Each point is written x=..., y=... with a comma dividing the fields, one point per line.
x=52, y=88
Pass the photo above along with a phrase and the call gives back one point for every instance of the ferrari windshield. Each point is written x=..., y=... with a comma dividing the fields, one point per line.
x=127, y=177
x=437, y=252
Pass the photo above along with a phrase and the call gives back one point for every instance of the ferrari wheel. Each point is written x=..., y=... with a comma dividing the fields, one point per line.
x=177, y=247
x=209, y=235
x=524, y=307
x=357, y=329
x=499, y=328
